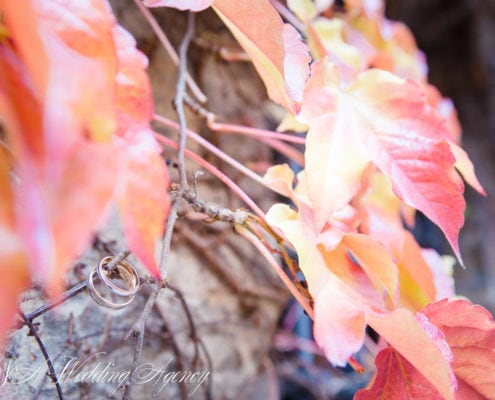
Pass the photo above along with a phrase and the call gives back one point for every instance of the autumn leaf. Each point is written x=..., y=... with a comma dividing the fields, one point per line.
x=340, y=322
x=143, y=202
x=383, y=119
x=279, y=178
x=465, y=166
x=192, y=5
x=76, y=133
x=56, y=185
x=276, y=49
x=397, y=379
x=133, y=98
x=470, y=332
x=407, y=332
x=13, y=262
x=417, y=284
x=375, y=260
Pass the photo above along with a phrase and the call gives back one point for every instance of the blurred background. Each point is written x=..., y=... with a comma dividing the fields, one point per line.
x=458, y=38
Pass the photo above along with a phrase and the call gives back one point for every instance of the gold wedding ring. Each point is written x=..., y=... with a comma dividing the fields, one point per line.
x=125, y=272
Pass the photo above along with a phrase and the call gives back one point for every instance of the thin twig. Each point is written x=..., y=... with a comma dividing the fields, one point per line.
x=287, y=14
x=273, y=139
x=168, y=239
x=243, y=231
x=76, y=289
x=213, y=211
x=260, y=133
x=137, y=330
x=177, y=354
x=213, y=262
x=33, y=331
x=211, y=148
x=169, y=49
x=192, y=327
x=138, y=327
x=216, y=172
x=179, y=98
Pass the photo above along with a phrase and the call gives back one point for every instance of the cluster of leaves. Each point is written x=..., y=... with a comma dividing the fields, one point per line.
x=75, y=101
x=381, y=143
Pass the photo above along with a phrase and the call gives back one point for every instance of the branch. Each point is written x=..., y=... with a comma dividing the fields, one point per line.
x=213, y=149
x=243, y=231
x=76, y=289
x=216, y=172
x=137, y=331
x=273, y=139
x=168, y=239
x=169, y=49
x=179, y=99
x=33, y=331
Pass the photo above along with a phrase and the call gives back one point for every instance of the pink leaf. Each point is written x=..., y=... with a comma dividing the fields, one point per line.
x=277, y=51
x=470, y=332
x=407, y=333
x=383, y=119
x=340, y=322
x=192, y=5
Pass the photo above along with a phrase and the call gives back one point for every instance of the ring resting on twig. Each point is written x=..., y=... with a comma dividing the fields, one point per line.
x=126, y=273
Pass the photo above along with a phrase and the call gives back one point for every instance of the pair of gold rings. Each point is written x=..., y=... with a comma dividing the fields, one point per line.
x=105, y=293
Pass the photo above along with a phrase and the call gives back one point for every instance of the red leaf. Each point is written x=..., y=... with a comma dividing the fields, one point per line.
x=407, y=333
x=397, y=379
x=144, y=204
x=276, y=49
x=470, y=332
x=384, y=119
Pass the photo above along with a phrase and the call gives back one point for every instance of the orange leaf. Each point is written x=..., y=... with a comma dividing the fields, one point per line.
x=13, y=265
x=397, y=379
x=144, y=203
x=21, y=23
x=375, y=260
x=470, y=332
x=60, y=116
x=134, y=100
x=466, y=168
x=79, y=98
x=417, y=286
x=276, y=49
